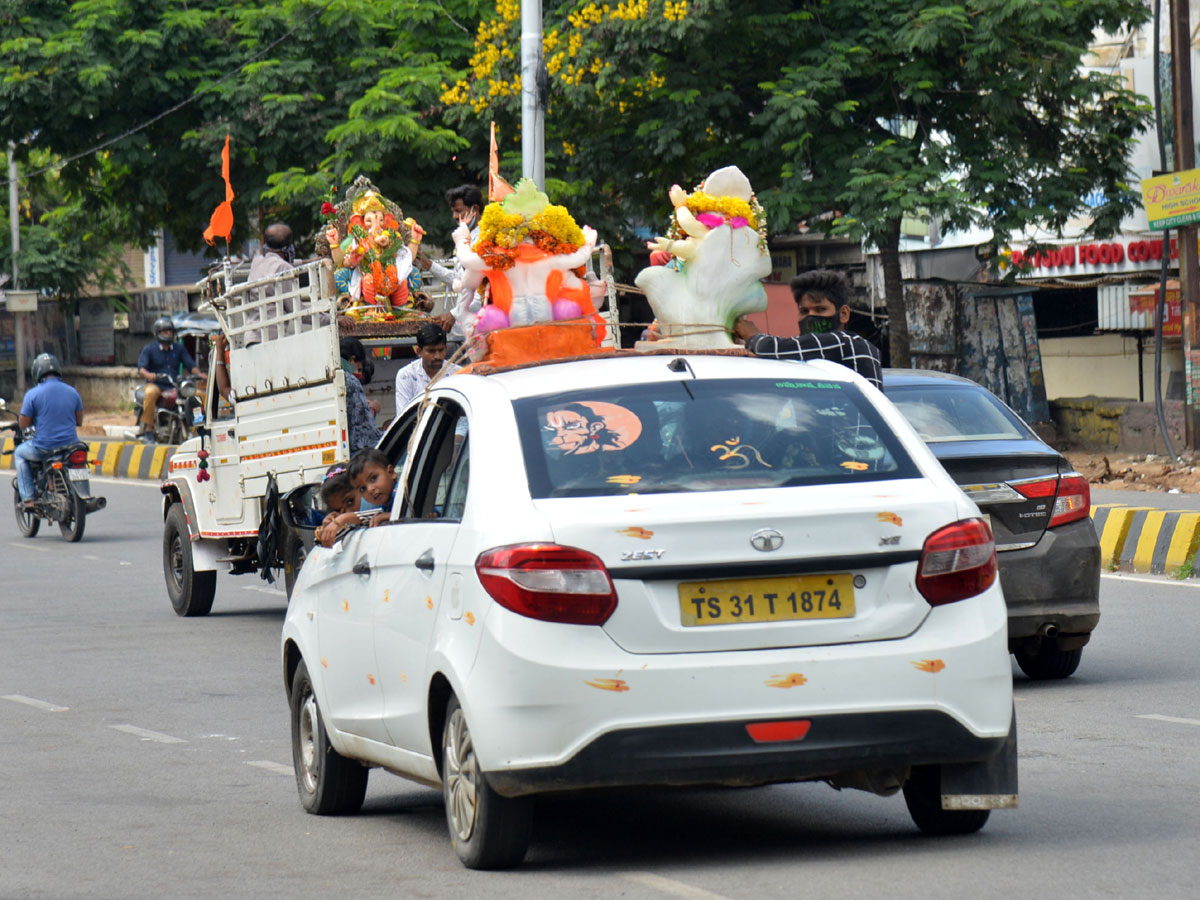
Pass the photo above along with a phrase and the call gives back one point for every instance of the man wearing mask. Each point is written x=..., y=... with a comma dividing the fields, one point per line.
x=160, y=363
x=466, y=206
x=821, y=296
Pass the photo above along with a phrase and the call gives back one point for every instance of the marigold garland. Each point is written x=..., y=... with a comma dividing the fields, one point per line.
x=552, y=230
x=731, y=207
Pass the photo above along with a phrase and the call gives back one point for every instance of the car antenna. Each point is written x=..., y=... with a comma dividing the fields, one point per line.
x=679, y=364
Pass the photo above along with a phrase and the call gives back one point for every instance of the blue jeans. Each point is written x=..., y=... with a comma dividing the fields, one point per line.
x=26, y=455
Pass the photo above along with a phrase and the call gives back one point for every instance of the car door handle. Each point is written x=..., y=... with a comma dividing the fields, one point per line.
x=425, y=561
x=362, y=567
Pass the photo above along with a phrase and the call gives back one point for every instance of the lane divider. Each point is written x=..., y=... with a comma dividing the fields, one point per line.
x=1146, y=540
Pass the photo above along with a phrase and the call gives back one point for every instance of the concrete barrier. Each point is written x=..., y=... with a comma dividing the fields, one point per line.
x=117, y=459
x=1147, y=540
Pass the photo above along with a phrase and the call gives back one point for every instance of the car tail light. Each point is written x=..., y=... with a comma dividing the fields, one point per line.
x=78, y=459
x=548, y=582
x=957, y=562
x=1035, y=490
x=1074, y=500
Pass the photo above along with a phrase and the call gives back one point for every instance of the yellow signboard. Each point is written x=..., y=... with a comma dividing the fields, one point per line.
x=1172, y=200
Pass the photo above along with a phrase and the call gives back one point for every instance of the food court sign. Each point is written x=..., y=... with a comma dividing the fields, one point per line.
x=1172, y=200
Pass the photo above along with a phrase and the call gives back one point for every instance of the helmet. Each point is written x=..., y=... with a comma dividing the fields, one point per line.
x=161, y=324
x=43, y=365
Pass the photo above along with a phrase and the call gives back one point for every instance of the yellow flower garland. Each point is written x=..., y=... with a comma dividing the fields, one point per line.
x=509, y=229
x=700, y=202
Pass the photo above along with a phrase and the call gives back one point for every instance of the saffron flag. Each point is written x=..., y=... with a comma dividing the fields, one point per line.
x=221, y=222
x=498, y=188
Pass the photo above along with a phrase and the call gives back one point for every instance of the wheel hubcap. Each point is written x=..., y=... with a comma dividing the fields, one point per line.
x=308, y=742
x=177, y=560
x=462, y=776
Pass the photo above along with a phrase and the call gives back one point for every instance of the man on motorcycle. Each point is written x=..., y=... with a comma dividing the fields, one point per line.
x=160, y=363
x=54, y=408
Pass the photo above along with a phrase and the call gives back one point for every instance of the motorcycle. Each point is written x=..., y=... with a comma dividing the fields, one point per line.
x=177, y=412
x=62, y=491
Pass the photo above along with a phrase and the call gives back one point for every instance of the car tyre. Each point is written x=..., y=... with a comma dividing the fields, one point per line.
x=191, y=592
x=488, y=831
x=1049, y=662
x=27, y=523
x=923, y=796
x=329, y=783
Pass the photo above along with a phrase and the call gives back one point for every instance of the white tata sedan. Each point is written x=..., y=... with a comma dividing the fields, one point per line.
x=655, y=570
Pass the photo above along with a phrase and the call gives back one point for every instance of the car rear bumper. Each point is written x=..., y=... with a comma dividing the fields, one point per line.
x=725, y=753
x=1055, y=583
x=551, y=713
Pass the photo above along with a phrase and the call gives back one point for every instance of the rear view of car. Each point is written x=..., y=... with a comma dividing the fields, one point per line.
x=1037, y=506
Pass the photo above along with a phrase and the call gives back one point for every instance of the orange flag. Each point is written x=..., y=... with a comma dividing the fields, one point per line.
x=221, y=222
x=498, y=188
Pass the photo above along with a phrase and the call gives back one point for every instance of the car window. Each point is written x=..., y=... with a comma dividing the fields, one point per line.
x=955, y=412
x=431, y=486
x=705, y=436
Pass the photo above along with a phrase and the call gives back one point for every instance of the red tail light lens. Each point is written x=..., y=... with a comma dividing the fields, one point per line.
x=548, y=582
x=78, y=459
x=1074, y=500
x=1035, y=490
x=957, y=562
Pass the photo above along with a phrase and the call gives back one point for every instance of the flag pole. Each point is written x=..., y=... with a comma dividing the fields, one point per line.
x=533, y=112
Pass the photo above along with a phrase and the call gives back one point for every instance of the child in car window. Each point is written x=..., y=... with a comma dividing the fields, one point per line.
x=373, y=477
x=340, y=500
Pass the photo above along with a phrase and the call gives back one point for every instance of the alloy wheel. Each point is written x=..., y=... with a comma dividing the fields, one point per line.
x=462, y=775
x=309, y=767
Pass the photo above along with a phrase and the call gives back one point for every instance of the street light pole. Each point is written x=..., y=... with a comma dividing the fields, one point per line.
x=14, y=228
x=533, y=113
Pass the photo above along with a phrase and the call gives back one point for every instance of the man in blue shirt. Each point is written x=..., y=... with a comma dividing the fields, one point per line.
x=160, y=363
x=54, y=408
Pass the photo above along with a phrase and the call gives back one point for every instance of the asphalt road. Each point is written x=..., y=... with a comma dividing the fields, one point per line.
x=147, y=756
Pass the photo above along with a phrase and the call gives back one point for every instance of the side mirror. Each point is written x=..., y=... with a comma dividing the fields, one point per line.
x=294, y=506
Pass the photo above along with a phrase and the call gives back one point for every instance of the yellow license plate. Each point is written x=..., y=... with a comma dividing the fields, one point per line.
x=738, y=601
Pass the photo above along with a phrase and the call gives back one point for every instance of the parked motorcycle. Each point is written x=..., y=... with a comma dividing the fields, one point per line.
x=62, y=487
x=176, y=415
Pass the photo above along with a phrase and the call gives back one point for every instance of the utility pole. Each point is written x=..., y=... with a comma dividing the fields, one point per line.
x=1189, y=269
x=533, y=112
x=14, y=228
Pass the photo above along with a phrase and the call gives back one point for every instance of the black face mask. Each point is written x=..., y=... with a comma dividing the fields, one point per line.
x=820, y=324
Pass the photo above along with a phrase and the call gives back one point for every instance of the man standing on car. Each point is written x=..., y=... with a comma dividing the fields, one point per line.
x=466, y=207
x=821, y=296
x=412, y=379
x=55, y=409
x=160, y=363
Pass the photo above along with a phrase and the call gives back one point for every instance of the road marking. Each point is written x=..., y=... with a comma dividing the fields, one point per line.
x=264, y=590
x=1174, y=719
x=93, y=558
x=123, y=563
x=147, y=735
x=136, y=482
x=28, y=546
x=1116, y=576
x=670, y=886
x=36, y=704
x=269, y=766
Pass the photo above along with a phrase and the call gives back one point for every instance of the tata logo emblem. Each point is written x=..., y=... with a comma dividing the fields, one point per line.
x=766, y=540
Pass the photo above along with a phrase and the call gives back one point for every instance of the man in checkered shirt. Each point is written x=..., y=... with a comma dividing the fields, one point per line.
x=821, y=296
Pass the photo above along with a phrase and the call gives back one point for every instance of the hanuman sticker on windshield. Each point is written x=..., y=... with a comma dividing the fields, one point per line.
x=591, y=425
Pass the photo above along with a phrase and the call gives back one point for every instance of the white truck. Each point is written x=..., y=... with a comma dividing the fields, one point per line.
x=285, y=426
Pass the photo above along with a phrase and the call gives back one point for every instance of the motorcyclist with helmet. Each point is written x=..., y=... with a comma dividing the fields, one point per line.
x=55, y=409
x=160, y=364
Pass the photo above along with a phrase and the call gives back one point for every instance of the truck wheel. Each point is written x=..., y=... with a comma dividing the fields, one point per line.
x=329, y=784
x=294, y=555
x=1050, y=662
x=923, y=796
x=191, y=592
x=27, y=523
x=488, y=831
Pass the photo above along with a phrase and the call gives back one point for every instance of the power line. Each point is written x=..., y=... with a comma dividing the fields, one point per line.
x=162, y=115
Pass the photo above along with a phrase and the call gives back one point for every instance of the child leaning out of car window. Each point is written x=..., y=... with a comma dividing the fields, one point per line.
x=340, y=498
x=372, y=483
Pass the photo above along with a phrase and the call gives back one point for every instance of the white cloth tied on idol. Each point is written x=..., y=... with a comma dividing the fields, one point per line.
x=528, y=309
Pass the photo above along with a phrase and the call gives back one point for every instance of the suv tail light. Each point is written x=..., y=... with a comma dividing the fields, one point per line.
x=78, y=459
x=957, y=562
x=548, y=582
x=1074, y=500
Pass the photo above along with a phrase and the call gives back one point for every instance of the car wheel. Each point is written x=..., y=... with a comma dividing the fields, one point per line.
x=293, y=558
x=27, y=523
x=72, y=527
x=488, y=831
x=1050, y=662
x=329, y=783
x=191, y=592
x=923, y=796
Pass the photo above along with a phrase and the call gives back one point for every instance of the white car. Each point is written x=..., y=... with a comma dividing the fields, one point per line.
x=655, y=570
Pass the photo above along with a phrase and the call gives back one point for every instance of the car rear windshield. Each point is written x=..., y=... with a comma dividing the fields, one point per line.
x=956, y=412
x=705, y=436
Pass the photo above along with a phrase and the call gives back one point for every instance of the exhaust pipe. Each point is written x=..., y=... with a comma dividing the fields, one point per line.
x=92, y=504
x=1049, y=630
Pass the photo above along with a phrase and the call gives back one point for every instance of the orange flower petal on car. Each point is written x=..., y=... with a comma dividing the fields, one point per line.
x=370, y=678
x=324, y=663
x=429, y=603
x=469, y=618
x=890, y=517
x=387, y=595
x=345, y=606
x=608, y=684
x=928, y=665
x=855, y=466
x=790, y=680
x=634, y=531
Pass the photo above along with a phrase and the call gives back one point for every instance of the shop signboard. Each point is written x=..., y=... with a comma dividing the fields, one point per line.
x=1147, y=301
x=1172, y=200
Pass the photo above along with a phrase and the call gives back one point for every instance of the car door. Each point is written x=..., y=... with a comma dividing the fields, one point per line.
x=409, y=567
x=346, y=605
